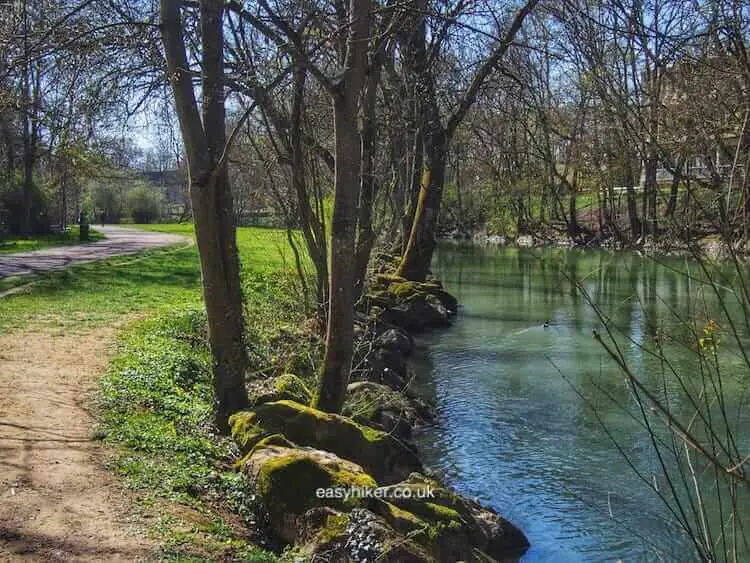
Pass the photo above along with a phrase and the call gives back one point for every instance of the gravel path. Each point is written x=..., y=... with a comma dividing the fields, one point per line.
x=119, y=241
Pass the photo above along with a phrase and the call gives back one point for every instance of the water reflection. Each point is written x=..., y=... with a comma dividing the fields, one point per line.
x=515, y=431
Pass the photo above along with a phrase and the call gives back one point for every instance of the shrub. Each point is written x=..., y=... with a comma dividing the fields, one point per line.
x=144, y=204
x=106, y=202
x=12, y=209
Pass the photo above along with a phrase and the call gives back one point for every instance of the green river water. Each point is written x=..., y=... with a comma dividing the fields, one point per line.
x=528, y=413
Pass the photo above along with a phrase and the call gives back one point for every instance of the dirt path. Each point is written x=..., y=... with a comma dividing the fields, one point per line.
x=57, y=501
x=119, y=241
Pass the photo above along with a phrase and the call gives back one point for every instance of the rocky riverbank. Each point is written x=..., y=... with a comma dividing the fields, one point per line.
x=708, y=246
x=351, y=487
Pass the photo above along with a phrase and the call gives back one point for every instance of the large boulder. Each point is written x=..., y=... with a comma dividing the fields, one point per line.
x=434, y=529
x=416, y=520
x=418, y=313
x=378, y=405
x=287, y=387
x=386, y=458
x=359, y=535
x=413, y=306
x=465, y=525
x=404, y=290
x=288, y=481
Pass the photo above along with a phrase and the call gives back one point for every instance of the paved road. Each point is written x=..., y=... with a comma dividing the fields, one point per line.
x=119, y=241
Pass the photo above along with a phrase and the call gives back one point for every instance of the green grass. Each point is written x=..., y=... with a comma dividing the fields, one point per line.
x=154, y=402
x=261, y=249
x=13, y=244
x=155, y=407
x=101, y=292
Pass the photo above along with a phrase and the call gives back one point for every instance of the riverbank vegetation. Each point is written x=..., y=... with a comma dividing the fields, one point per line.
x=689, y=409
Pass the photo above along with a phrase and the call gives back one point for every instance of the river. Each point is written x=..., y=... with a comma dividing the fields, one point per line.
x=528, y=413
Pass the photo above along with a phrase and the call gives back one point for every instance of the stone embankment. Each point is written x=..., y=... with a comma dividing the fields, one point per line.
x=351, y=487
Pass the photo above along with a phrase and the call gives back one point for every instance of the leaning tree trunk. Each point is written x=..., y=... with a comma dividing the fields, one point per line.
x=415, y=263
x=420, y=244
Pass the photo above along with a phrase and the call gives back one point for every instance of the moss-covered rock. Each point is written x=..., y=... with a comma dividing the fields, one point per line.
x=417, y=526
x=360, y=535
x=378, y=298
x=396, y=413
x=292, y=388
x=405, y=289
x=417, y=313
x=245, y=431
x=384, y=279
x=284, y=387
x=288, y=479
x=402, y=290
x=441, y=532
x=273, y=440
x=414, y=306
x=389, y=460
x=458, y=527
x=402, y=520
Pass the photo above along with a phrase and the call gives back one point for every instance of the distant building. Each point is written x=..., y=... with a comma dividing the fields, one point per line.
x=704, y=102
x=172, y=184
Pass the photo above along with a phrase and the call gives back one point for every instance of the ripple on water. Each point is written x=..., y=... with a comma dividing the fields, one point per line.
x=515, y=434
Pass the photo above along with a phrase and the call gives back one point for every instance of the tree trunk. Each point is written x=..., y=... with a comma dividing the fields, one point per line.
x=649, y=193
x=368, y=183
x=674, y=189
x=27, y=127
x=415, y=263
x=572, y=210
x=412, y=188
x=421, y=243
x=632, y=207
x=337, y=361
x=211, y=199
x=215, y=235
x=64, y=197
x=340, y=332
x=312, y=229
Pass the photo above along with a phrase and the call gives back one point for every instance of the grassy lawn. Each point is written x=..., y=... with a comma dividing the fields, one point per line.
x=148, y=283
x=154, y=402
x=261, y=249
x=11, y=244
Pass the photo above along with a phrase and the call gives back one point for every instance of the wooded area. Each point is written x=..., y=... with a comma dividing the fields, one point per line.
x=366, y=131
x=370, y=125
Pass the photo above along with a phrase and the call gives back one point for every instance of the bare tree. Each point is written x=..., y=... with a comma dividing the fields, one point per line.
x=204, y=137
x=437, y=136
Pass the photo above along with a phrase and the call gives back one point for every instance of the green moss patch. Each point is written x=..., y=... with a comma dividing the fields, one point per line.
x=289, y=480
x=387, y=459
